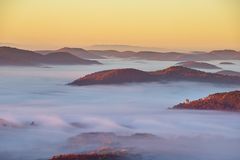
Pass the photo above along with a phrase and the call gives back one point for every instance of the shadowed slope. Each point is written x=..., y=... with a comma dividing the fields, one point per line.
x=14, y=56
x=19, y=57
x=229, y=73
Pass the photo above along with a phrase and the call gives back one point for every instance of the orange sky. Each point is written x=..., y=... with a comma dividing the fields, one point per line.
x=169, y=24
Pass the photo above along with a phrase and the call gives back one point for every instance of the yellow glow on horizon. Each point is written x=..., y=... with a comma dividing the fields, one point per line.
x=172, y=24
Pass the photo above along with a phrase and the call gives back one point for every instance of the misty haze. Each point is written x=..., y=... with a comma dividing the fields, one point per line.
x=41, y=112
x=119, y=80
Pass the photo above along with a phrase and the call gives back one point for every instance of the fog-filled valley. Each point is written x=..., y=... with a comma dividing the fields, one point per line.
x=40, y=114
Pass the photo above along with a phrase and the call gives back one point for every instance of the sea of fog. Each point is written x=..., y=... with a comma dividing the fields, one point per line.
x=43, y=112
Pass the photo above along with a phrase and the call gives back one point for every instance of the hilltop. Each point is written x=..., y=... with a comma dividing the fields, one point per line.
x=175, y=73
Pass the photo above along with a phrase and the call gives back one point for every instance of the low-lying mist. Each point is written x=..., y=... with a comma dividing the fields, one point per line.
x=39, y=114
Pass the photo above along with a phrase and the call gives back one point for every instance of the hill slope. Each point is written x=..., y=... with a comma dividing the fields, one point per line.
x=175, y=73
x=228, y=101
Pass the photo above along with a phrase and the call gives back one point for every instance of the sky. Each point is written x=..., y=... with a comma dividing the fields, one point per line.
x=169, y=24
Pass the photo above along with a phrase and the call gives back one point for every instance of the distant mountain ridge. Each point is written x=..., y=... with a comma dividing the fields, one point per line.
x=171, y=56
x=197, y=65
x=150, y=55
x=123, y=48
x=79, y=52
x=175, y=73
x=82, y=53
x=20, y=57
x=101, y=54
